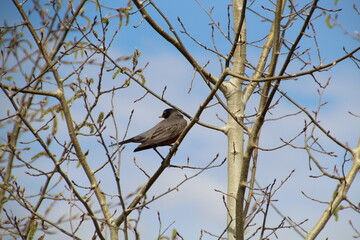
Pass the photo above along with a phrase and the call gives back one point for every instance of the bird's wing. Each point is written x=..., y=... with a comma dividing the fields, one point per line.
x=165, y=131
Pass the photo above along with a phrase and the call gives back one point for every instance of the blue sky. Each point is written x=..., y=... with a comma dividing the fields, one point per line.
x=197, y=205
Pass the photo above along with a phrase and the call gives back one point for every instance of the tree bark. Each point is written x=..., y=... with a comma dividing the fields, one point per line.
x=236, y=105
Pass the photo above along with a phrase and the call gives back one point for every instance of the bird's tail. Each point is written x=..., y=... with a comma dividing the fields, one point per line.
x=120, y=143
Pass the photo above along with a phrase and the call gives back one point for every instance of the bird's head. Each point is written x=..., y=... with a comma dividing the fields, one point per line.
x=169, y=112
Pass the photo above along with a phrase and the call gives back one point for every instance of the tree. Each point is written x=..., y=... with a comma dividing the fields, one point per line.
x=61, y=114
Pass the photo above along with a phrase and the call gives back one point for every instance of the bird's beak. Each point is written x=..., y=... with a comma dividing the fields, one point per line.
x=161, y=116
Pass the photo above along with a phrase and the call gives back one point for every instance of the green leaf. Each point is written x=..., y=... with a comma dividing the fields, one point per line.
x=173, y=234
x=54, y=126
x=49, y=140
x=51, y=109
x=40, y=154
x=135, y=58
x=143, y=80
x=105, y=20
x=88, y=20
x=124, y=69
x=77, y=95
x=127, y=82
x=124, y=12
x=91, y=126
x=163, y=237
x=100, y=118
x=336, y=212
x=33, y=227
x=41, y=237
x=116, y=73
x=95, y=33
x=336, y=215
x=328, y=21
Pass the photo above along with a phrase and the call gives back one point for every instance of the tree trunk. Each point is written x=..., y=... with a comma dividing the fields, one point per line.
x=235, y=132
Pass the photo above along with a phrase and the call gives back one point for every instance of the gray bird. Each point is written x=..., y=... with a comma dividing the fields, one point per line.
x=164, y=133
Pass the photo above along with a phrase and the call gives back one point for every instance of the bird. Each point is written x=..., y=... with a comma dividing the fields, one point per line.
x=164, y=133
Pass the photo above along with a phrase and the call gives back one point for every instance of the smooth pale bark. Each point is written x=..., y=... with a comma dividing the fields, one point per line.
x=238, y=161
x=235, y=155
x=235, y=132
x=339, y=196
